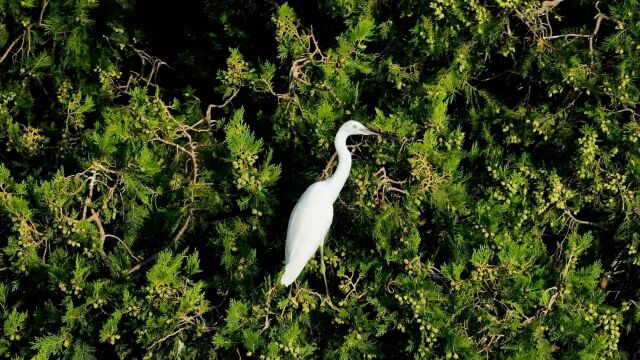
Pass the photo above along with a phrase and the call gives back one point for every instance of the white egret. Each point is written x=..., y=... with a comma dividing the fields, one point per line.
x=311, y=217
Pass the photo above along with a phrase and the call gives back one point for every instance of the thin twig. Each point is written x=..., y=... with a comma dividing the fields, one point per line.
x=583, y=222
x=6, y=53
x=26, y=33
x=174, y=240
x=126, y=247
x=567, y=36
x=221, y=106
x=159, y=341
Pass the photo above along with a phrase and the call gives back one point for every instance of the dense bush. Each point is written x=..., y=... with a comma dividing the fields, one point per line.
x=151, y=153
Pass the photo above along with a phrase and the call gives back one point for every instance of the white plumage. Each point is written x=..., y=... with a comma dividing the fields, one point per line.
x=310, y=221
x=312, y=216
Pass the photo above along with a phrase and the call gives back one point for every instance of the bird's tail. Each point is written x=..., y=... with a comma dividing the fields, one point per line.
x=291, y=272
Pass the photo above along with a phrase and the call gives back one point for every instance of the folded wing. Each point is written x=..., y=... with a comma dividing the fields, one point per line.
x=308, y=225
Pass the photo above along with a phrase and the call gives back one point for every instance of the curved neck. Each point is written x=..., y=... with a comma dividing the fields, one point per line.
x=336, y=182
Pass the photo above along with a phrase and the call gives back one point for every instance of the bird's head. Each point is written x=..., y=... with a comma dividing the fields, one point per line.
x=353, y=127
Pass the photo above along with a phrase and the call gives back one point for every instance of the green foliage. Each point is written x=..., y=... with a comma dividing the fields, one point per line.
x=497, y=217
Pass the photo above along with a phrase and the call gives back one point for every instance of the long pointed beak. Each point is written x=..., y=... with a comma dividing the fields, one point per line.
x=369, y=132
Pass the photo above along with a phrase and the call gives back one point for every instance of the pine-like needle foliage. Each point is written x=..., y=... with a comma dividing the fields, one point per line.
x=145, y=184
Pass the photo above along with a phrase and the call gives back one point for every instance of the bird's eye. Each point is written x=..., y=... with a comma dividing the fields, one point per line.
x=354, y=126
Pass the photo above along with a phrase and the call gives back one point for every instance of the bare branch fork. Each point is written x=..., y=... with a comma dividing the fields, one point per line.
x=547, y=30
x=221, y=106
x=95, y=216
x=591, y=36
x=147, y=78
x=296, y=74
x=388, y=184
x=156, y=64
x=26, y=34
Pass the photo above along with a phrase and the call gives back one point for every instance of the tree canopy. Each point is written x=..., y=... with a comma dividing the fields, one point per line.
x=151, y=153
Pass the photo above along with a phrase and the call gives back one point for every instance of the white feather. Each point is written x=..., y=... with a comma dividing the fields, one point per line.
x=308, y=226
x=311, y=218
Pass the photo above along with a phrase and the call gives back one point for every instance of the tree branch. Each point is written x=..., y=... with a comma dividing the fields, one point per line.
x=95, y=218
x=583, y=222
x=6, y=53
x=221, y=106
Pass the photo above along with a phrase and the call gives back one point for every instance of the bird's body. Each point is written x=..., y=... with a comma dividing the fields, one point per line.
x=311, y=218
x=310, y=223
